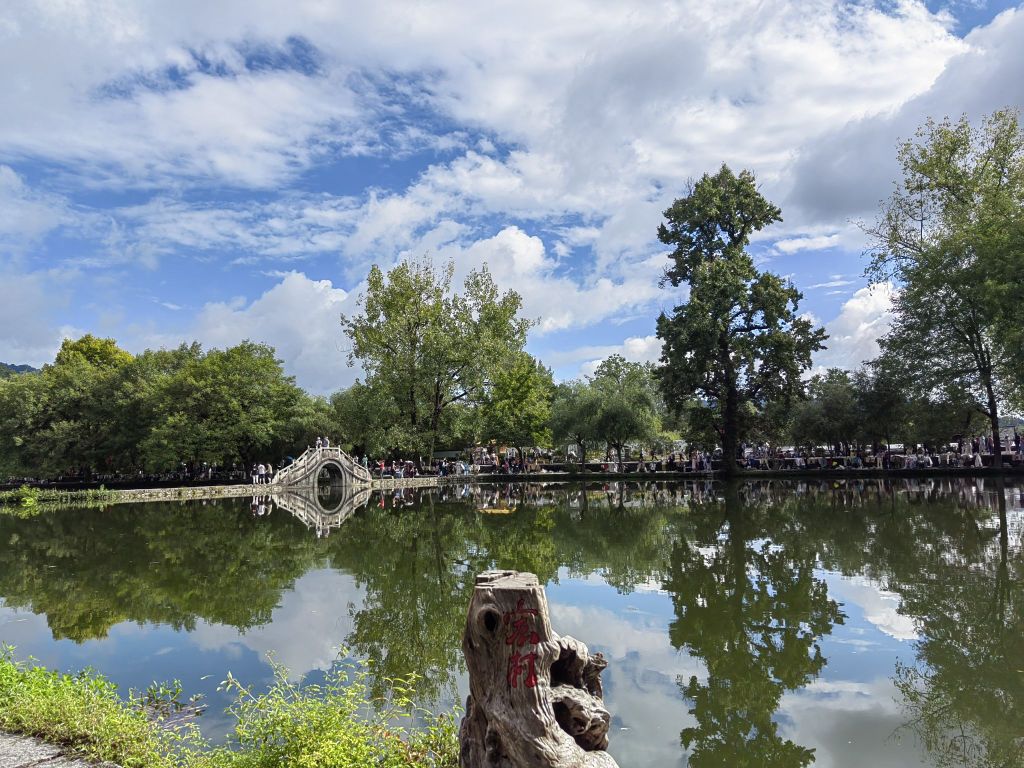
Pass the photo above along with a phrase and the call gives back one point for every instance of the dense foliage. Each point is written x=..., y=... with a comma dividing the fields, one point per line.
x=737, y=345
x=870, y=408
x=331, y=725
x=99, y=409
x=429, y=353
x=950, y=237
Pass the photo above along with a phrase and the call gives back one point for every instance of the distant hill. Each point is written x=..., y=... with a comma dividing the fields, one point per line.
x=9, y=369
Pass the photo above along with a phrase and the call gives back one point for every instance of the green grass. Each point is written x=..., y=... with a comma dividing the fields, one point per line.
x=333, y=725
x=27, y=501
x=79, y=711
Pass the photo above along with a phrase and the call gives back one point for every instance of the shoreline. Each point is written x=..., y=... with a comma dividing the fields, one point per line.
x=98, y=495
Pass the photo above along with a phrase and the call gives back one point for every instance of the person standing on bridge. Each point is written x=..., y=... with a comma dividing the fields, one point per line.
x=319, y=443
x=327, y=442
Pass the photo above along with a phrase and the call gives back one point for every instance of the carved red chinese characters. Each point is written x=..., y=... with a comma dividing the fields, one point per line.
x=535, y=697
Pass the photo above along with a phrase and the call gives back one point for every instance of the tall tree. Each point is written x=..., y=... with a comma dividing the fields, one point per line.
x=517, y=406
x=737, y=343
x=627, y=407
x=574, y=411
x=949, y=238
x=425, y=348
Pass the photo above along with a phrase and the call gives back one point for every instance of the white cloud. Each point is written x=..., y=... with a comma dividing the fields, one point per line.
x=26, y=214
x=845, y=171
x=855, y=331
x=30, y=332
x=797, y=244
x=576, y=122
x=165, y=91
x=299, y=317
x=636, y=349
x=521, y=262
x=834, y=283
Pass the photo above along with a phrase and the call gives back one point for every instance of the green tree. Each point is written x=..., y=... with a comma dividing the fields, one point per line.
x=517, y=406
x=737, y=343
x=59, y=419
x=830, y=415
x=574, y=411
x=426, y=349
x=881, y=404
x=627, y=403
x=102, y=353
x=949, y=238
x=224, y=406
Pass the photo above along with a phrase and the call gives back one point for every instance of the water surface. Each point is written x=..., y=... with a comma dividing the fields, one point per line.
x=761, y=624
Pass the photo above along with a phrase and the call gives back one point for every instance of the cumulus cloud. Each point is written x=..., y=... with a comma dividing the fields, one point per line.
x=845, y=171
x=558, y=302
x=855, y=331
x=299, y=317
x=30, y=331
x=551, y=159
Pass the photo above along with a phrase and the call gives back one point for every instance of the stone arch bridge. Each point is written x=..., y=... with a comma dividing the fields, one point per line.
x=338, y=466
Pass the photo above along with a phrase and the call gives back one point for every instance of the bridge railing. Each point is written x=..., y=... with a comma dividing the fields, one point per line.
x=313, y=458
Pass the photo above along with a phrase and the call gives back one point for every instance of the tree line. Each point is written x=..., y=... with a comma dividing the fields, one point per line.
x=99, y=409
x=444, y=365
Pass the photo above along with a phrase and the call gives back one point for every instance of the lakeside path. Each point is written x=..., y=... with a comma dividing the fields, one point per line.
x=186, y=493
x=30, y=752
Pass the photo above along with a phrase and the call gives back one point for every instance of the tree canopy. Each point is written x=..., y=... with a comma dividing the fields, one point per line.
x=427, y=349
x=949, y=237
x=737, y=344
x=98, y=408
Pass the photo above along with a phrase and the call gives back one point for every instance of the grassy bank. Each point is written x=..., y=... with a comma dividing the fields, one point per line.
x=26, y=501
x=313, y=726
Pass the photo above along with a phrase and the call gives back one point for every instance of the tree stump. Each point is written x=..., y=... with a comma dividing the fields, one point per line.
x=534, y=697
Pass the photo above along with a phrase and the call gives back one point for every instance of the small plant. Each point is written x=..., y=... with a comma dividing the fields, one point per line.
x=331, y=725
x=80, y=711
x=334, y=725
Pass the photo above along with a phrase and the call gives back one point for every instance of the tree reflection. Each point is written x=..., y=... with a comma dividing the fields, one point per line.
x=751, y=609
x=160, y=563
x=965, y=697
x=739, y=563
x=418, y=562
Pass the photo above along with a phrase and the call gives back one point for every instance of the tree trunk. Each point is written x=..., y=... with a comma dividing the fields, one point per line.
x=618, y=453
x=535, y=697
x=993, y=410
x=730, y=432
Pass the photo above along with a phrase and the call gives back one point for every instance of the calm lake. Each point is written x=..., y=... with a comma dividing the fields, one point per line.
x=864, y=623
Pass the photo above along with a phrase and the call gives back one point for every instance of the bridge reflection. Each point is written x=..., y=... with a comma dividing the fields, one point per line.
x=324, y=508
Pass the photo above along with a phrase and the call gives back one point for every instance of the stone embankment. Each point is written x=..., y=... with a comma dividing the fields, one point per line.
x=29, y=752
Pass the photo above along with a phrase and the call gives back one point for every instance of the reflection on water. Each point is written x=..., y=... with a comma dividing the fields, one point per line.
x=773, y=624
x=324, y=509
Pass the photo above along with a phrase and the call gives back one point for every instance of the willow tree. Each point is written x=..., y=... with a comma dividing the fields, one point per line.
x=737, y=345
x=950, y=238
x=426, y=348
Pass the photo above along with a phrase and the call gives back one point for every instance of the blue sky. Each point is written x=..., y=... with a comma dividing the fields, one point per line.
x=220, y=171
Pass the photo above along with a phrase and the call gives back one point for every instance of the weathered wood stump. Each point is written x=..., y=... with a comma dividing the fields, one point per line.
x=534, y=697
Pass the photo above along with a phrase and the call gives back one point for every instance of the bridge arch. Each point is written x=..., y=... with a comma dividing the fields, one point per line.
x=306, y=470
